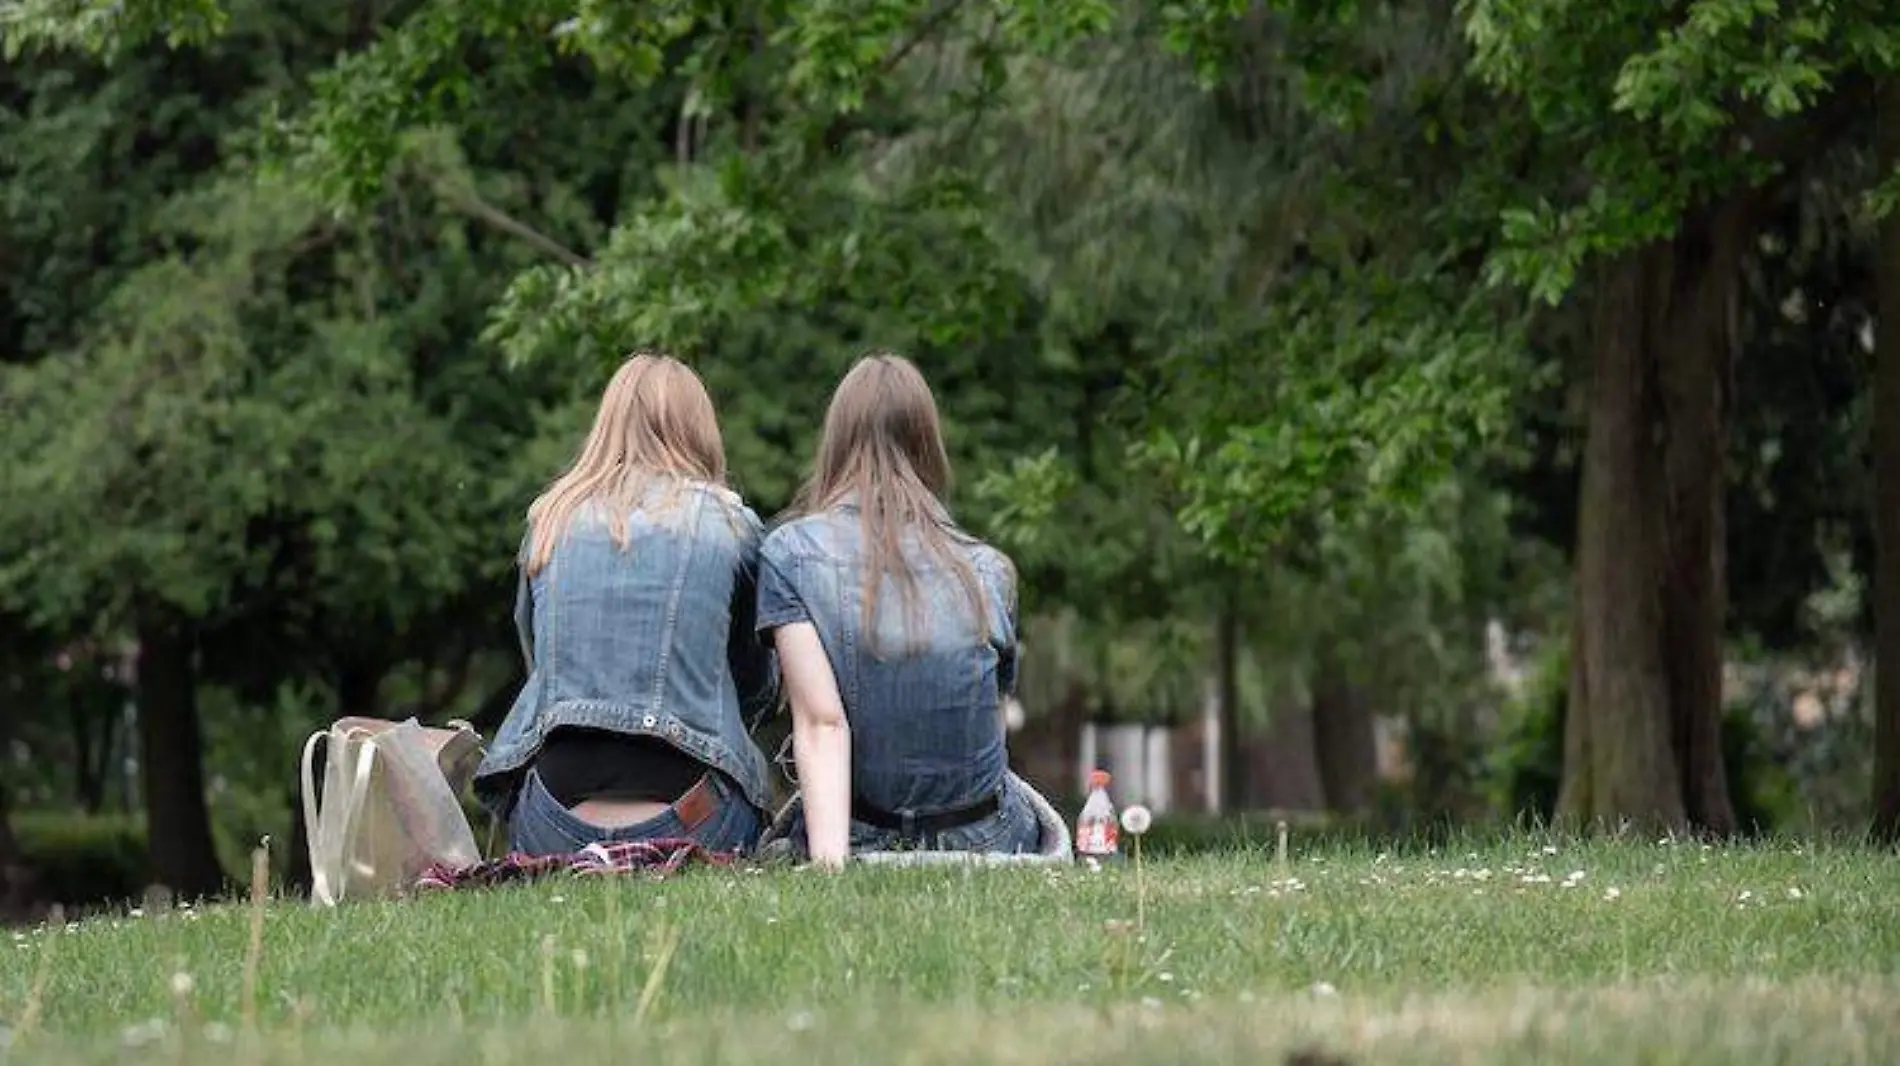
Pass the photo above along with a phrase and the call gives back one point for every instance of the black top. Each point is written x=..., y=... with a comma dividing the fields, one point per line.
x=583, y=764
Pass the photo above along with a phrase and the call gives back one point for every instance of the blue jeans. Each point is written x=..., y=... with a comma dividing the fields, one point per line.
x=1013, y=830
x=540, y=825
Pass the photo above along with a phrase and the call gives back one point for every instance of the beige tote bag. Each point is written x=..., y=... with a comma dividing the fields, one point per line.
x=389, y=808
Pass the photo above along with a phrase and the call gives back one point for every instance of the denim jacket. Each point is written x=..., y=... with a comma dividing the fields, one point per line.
x=923, y=699
x=656, y=640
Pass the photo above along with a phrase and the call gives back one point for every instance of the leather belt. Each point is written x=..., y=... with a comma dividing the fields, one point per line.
x=698, y=804
x=913, y=826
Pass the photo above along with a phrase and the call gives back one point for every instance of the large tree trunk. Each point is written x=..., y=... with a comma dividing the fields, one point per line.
x=92, y=745
x=1343, y=741
x=359, y=687
x=177, y=821
x=1642, y=737
x=1233, y=744
x=1886, y=503
x=18, y=887
x=9, y=844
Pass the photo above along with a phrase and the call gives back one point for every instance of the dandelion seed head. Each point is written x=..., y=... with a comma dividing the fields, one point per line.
x=1136, y=819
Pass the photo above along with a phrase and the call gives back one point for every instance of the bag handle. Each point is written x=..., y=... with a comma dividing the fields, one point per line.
x=322, y=890
x=359, y=791
x=310, y=784
x=359, y=788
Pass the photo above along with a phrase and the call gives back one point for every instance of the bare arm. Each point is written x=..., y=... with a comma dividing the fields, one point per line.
x=821, y=742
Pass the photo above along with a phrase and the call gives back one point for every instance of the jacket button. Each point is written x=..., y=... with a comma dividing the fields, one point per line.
x=648, y=721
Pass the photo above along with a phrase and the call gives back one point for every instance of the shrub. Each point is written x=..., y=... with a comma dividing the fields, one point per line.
x=1200, y=834
x=84, y=860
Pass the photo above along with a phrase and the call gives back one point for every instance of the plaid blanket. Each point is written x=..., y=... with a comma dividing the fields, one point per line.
x=656, y=858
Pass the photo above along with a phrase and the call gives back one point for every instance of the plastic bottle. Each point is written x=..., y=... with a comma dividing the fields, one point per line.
x=1096, y=832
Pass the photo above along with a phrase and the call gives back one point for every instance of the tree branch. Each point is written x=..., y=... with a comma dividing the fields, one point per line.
x=469, y=203
x=931, y=23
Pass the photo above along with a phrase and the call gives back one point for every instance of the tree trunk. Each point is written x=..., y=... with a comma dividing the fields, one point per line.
x=1233, y=745
x=298, y=877
x=18, y=886
x=177, y=820
x=1343, y=741
x=1283, y=772
x=1642, y=737
x=9, y=844
x=92, y=747
x=1886, y=503
x=359, y=688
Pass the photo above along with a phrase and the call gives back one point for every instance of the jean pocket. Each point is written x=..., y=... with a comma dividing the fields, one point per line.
x=541, y=825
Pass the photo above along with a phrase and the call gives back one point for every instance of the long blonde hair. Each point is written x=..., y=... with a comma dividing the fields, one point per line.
x=883, y=444
x=656, y=422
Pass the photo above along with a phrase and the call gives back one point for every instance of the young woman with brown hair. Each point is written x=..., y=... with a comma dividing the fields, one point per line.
x=896, y=635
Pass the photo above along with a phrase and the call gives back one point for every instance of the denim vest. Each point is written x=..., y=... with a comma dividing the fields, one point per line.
x=922, y=700
x=654, y=640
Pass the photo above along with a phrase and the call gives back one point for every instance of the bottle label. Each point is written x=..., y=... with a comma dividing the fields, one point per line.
x=1096, y=838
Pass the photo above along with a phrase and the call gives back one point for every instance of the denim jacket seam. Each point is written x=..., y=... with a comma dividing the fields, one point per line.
x=727, y=678
x=848, y=637
x=673, y=606
x=780, y=616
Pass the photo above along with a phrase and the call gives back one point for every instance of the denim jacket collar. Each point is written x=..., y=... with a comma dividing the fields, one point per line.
x=941, y=514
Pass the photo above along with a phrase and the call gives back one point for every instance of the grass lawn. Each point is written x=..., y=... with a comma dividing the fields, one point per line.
x=1520, y=951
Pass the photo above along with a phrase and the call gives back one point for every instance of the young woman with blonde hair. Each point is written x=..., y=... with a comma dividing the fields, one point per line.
x=635, y=606
x=896, y=636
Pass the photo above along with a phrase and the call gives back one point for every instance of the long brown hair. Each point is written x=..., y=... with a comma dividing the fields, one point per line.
x=882, y=448
x=655, y=422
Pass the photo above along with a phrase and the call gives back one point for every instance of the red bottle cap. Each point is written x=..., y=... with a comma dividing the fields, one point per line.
x=1098, y=779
